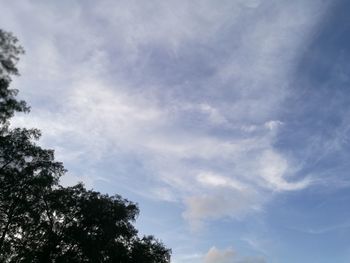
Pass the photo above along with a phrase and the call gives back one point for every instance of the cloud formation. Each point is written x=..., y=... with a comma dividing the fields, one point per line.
x=191, y=90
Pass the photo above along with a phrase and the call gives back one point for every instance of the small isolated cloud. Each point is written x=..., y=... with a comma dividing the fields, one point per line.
x=228, y=255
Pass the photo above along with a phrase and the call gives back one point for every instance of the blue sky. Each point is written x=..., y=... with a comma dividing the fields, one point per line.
x=226, y=121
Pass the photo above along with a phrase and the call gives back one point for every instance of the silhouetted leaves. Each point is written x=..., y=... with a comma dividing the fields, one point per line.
x=9, y=56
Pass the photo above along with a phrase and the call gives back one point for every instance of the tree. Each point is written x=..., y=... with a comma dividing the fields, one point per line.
x=26, y=170
x=42, y=221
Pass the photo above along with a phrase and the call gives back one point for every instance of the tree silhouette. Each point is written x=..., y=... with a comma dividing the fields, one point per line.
x=42, y=221
x=9, y=56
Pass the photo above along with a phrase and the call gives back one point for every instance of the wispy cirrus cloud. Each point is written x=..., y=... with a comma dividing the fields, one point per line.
x=192, y=89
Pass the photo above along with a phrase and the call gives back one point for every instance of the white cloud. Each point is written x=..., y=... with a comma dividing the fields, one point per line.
x=106, y=87
x=272, y=125
x=215, y=180
x=273, y=169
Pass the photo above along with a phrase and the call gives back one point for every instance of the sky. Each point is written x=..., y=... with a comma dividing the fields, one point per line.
x=228, y=122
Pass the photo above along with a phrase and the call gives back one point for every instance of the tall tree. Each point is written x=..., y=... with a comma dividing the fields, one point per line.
x=42, y=221
x=25, y=168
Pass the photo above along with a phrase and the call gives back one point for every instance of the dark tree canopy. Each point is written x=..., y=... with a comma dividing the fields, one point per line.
x=42, y=221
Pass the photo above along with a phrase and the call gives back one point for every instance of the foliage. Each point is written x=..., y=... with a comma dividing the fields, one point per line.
x=42, y=221
x=9, y=56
